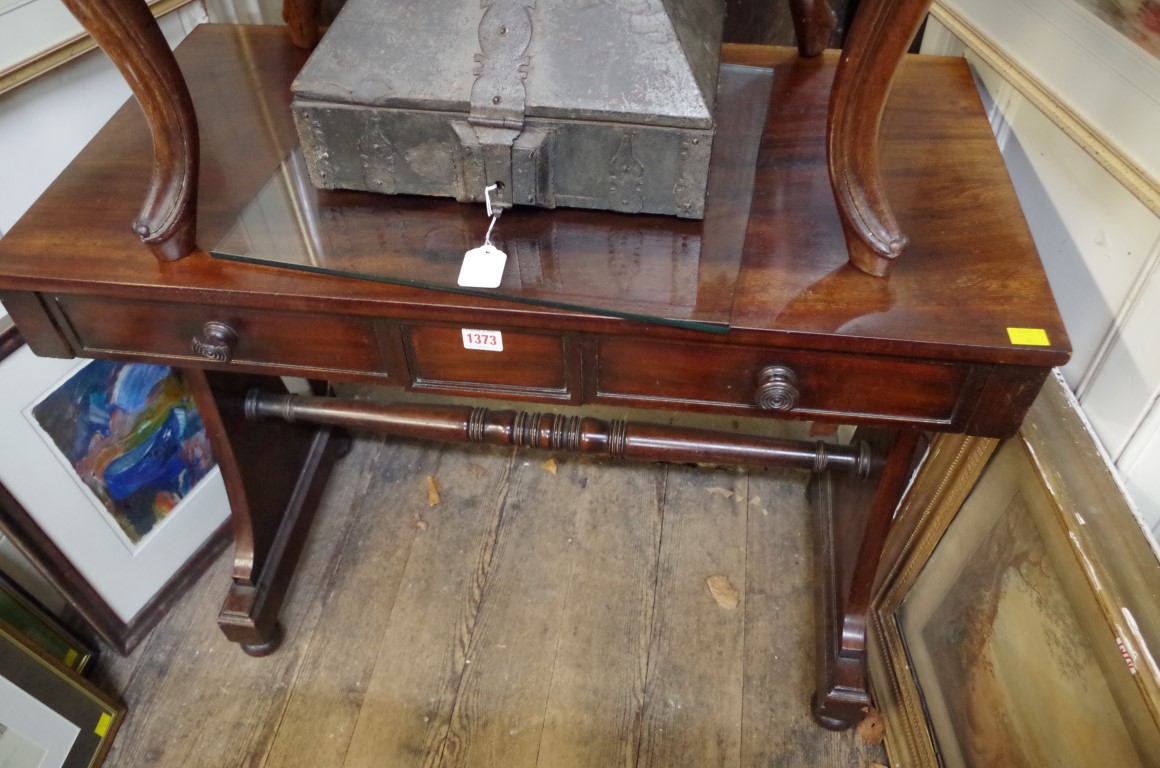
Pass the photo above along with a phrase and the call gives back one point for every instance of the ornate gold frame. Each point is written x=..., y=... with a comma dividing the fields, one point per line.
x=1116, y=567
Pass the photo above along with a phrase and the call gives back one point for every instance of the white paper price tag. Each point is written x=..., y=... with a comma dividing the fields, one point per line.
x=482, y=267
x=473, y=338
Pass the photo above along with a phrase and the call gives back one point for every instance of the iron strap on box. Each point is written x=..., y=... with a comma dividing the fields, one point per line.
x=582, y=104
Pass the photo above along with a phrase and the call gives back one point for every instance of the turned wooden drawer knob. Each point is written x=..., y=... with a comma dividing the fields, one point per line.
x=216, y=342
x=777, y=388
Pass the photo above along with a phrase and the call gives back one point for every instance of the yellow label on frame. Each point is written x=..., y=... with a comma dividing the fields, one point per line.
x=103, y=724
x=1028, y=337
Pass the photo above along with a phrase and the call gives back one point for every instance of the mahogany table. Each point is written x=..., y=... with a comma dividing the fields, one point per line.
x=958, y=338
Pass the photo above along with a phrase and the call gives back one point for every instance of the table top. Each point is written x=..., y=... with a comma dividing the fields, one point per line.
x=970, y=273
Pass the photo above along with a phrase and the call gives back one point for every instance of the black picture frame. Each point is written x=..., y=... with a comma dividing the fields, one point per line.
x=40, y=686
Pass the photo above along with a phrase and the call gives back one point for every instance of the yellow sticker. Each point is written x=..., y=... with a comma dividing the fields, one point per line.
x=1028, y=337
x=70, y=658
x=103, y=724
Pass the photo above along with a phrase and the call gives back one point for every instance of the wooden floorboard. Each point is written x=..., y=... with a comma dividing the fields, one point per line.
x=529, y=619
x=422, y=655
x=597, y=691
x=779, y=633
x=692, y=714
x=332, y=678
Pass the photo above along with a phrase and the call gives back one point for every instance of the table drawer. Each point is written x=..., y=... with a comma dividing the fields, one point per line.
x=506, y=362
x=241, y=336
x=794, y=383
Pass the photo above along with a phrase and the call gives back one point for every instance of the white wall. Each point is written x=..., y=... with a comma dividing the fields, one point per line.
x=1099, y=237
x=244, y=11
x=47, y=121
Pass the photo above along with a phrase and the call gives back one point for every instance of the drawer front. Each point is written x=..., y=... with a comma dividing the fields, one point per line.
x=506, y=362
x=794, y=383
x=241, y=336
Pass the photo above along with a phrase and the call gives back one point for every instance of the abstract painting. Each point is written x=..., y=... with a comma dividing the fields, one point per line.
x=1138, y=20
x=133, y=436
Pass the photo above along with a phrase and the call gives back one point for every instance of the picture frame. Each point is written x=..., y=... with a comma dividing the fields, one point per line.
x=1015, y=617
x=122, y=587
x=52, y=717
x=1101, y=88
x=21, y=611
x=37, y=36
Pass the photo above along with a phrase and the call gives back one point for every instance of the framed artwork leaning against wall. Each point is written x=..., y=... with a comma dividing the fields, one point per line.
x=107, y=483
x=50, y=717
x=1017, y=623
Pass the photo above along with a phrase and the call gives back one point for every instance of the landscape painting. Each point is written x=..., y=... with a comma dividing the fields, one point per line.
x=1011, y=679
x=132, y=435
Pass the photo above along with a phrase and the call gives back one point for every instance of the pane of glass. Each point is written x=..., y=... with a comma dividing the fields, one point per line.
x=659, y=268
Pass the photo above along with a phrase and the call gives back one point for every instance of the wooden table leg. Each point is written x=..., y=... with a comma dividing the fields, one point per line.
x=854, y=518
x=274, y=473
x=129, y=34
x=301, y=17
x=813, y=23
x=878, y=39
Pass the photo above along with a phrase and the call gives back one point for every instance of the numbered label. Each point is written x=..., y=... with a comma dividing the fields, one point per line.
x=491, y=341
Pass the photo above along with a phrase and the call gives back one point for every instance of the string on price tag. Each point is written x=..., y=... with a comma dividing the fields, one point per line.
x=483, y=266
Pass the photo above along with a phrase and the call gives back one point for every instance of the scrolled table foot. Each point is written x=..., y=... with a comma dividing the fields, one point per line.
x=265, y=647
x=834, y=712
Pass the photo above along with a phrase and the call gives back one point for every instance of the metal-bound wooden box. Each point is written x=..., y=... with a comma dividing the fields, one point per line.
x=603, y=104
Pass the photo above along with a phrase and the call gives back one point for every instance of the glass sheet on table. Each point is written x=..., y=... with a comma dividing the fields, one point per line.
x=658, y=268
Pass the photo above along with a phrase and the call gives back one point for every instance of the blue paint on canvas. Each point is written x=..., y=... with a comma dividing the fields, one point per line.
x=134, y=437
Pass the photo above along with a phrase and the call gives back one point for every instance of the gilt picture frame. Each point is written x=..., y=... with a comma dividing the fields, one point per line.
x=1083, y=71
x=1016, y=620
x=120, y=585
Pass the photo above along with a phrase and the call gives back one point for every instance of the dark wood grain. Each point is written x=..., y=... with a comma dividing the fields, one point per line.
x=814, y=22
x=772, y=23
x=301, y=17
x=127, y=31
x=547, y=431
x=842, y=698
x=927, y=347
x=273, y=474
x=879, y=37
x=953, y=299
x=529, y=364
